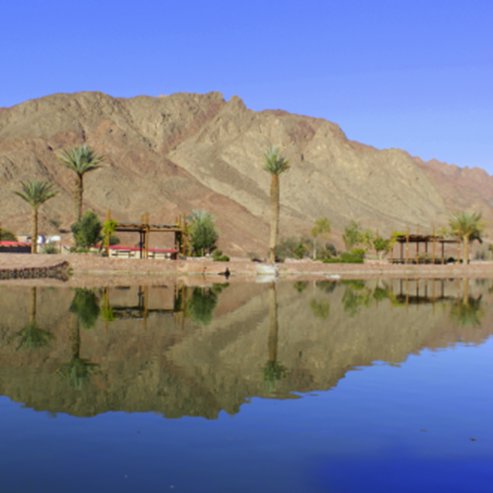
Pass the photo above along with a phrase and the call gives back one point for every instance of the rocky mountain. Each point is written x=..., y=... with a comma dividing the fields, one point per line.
x=169, y=155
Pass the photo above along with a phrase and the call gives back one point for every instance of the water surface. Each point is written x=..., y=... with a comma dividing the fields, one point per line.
x=300, y=387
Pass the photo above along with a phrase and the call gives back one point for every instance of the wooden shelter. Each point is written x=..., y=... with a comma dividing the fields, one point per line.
x=144, y=229
x=427, y=254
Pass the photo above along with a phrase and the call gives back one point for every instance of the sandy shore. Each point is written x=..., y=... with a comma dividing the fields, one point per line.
x=96, y=271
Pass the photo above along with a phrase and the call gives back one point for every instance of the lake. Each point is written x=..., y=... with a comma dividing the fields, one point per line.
x=341, y=387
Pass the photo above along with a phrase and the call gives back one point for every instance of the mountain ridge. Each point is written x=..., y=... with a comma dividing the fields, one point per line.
x=168, y=155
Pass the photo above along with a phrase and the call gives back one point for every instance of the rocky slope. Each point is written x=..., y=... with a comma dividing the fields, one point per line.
x=170, y=155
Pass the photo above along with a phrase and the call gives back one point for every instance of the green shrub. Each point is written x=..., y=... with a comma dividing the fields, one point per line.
x=218, y=256
x=202, y=233
x=292, y=248
x=355, y=256
x=50, y=249
x=87, y=231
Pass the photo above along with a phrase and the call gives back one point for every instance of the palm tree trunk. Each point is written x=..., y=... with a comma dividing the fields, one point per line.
x=32, y=315
x=75, y=338
x=34, y=238
x=274, y=224
x=78, y=197
x=273, y=324
x=465, y=240
x=465, y=291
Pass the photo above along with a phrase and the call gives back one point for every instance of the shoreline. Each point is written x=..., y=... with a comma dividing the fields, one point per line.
x=98, y=271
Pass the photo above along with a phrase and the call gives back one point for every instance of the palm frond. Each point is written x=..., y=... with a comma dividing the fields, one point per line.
x=36, y=192
x=80, y=159
x=275, y=163
x=468, y=224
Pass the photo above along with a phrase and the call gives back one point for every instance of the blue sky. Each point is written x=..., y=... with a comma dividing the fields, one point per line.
x=412, y=74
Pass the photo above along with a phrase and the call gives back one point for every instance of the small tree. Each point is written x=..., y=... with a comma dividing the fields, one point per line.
x=381, y=245
x=321, y=227
x=109, y=227
x=87, y=231
x=202, y=232
x=352, y=235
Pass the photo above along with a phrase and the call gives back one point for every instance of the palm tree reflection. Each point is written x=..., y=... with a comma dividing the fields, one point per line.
x=273, y=370
x=32, y=336
x=467, y=311
x=86, y=310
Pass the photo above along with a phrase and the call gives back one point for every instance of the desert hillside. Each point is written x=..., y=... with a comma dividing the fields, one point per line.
x=169, y=155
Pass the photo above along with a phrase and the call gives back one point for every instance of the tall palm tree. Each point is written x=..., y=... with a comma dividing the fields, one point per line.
x=320, y=227
x=468, y=226
x=36, y=193
x=275, y=164
x=80, y=160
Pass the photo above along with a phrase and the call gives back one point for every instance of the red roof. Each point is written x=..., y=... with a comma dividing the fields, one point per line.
x=14, y=244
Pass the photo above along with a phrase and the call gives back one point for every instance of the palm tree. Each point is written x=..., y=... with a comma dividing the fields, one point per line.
x=320, y=227
x=468, y=226
x=275, y=164
x=36, y=193
x=80, y=160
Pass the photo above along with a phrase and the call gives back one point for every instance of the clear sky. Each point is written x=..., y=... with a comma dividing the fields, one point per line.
x=413, y=74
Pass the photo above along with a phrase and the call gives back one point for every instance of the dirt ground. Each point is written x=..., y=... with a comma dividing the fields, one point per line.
x=90, y=270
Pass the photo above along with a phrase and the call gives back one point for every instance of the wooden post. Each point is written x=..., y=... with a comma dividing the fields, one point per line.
x=433, y=246
x=146, y=305
x=407, y=246
x=443, y=252
x=145, y=225
x=185, y=244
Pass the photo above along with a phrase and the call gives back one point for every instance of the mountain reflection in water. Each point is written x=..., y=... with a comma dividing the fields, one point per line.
x=183, y=351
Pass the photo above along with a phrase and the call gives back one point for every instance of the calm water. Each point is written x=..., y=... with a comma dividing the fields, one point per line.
x=304, y=387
